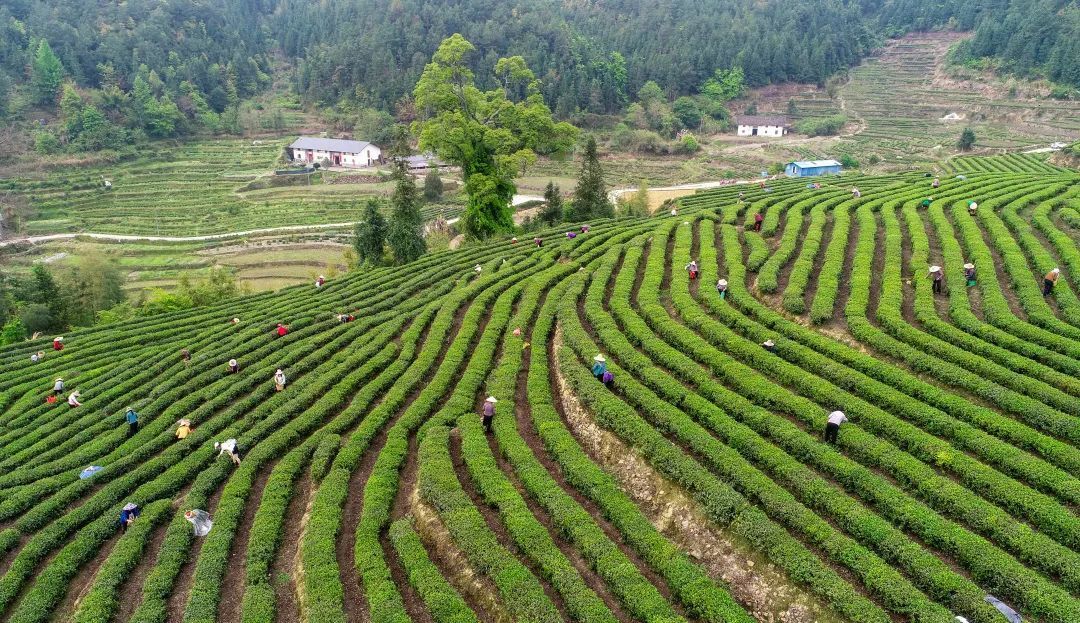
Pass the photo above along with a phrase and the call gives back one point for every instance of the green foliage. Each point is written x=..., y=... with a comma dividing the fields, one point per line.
x=637, y=203
x=46, y=74
x=45, y=142
x=687, y=111
x=370, y=233
x=821, y=126
x=724, y=85
x=405, y=233
x=491, y=135
x=966, y=140
x=433, y=185
x=12, y=332
x=552, y=212
x=849, y=162
x=590, y=196
x=89, y=286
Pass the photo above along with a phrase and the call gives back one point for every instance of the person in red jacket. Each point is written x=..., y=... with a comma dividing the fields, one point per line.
x=282, y=330
x=58, y=343
x=758, y=220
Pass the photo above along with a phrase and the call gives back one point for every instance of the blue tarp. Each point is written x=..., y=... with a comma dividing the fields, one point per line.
x=89, y=471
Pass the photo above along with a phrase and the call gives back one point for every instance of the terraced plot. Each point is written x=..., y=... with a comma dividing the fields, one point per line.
x=193, y=189
x=697, y=488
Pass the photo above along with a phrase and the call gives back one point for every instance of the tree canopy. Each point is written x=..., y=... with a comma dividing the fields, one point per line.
x=491, y=135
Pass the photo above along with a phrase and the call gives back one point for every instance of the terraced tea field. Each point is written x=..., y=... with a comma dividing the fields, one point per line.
x=194, y=189
x=697, y=488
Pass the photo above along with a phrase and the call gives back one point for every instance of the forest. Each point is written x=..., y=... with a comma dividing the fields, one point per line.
x=590, y=57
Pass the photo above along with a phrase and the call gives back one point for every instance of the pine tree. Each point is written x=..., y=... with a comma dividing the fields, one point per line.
x=46, y=74
x=553, y=205
x=967, y=139
x=371, y=234
x=590, y=196
x=433, y=185
x=406, y=225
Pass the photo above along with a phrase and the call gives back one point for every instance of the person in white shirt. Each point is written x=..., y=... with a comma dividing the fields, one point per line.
x=73, y=399
x=832, y=426
x=228, y=447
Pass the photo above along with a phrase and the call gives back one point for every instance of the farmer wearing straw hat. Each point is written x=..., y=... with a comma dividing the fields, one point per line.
x=721, y=287
x=769, y=345
x=320, y=281
x=935, y=183
x=969, y=273
x=58, y=386
x=132, y=419
x=926, y=202
x=1049, y=280
x=937, y=275
x=279, y=380
x=58, y=343
x=599, y=366
x=692, y=269
x=972, y=208
x=73, y=399
x=489, y=412
x=183, y=429
x=538, y=242
x=234, y=366
x=128, y=515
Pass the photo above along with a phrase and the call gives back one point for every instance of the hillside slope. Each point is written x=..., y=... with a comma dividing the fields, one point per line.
x=697, y=488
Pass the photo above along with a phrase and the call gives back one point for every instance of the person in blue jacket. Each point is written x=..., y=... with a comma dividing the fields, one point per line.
x=132, y=419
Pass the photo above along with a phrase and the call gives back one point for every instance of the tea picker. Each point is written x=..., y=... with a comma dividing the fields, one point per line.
x=129, y=514
x=200, y=520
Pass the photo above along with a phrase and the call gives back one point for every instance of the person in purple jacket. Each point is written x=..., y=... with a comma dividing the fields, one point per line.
x=489, y=412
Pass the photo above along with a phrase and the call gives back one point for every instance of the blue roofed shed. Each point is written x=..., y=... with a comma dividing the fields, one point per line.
x=810, y=168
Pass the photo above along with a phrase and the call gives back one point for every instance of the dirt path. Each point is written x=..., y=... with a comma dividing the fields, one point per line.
x=287, y=598
x=403, y=504
x=494, y=523
x=130, y=595
x=144, y=238
x=81, y=583
x=232, y=585
x=184, y=581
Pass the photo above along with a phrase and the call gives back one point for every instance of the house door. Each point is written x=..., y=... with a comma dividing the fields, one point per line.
x=753, y=132
x=310, y=155
x=337, y=160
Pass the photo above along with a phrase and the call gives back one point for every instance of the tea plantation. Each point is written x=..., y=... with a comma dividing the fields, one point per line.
x=698, y=487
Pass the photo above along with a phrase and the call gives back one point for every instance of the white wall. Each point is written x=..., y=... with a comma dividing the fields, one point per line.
x=366, y=158
x=762, y=130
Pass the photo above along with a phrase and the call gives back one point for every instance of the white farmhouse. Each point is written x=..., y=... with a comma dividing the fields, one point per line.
x=754, y=125
x=339, y=152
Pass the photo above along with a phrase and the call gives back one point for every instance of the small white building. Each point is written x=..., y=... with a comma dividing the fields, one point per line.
x=338, y=152
x=755, y=125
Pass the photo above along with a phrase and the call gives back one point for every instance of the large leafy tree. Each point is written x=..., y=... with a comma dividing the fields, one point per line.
x=371, y=234
x=590, y=196
x=491, y=135
x=406, y=235
x=46, y=74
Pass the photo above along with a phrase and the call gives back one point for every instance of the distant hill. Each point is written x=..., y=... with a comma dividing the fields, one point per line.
x=591, y=56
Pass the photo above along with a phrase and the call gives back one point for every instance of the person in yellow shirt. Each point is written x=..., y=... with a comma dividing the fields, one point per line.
x=184, y=429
